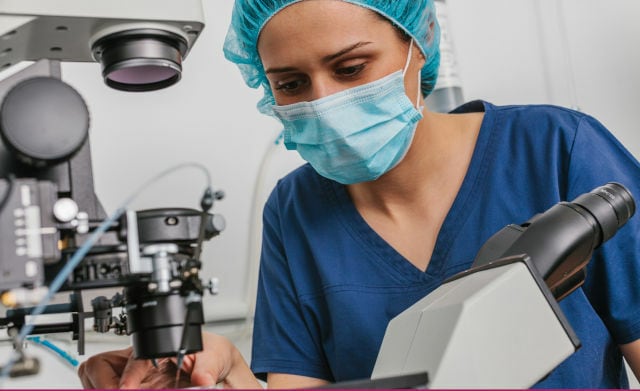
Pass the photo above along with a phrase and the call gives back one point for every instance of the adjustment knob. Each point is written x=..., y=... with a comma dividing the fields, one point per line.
x=65, y=210
x=43, y=121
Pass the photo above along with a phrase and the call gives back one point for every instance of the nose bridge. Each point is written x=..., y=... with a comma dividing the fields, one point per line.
x=324, y=85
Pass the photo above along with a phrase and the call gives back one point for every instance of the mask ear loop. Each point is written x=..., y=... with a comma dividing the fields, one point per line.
x=408, y=61
x=404, y=72
x=420, y=108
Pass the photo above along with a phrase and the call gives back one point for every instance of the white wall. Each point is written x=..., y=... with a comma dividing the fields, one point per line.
x=580, y=53
x=566, y=52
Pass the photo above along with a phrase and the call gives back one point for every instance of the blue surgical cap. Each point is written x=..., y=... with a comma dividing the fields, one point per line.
x=417, y=18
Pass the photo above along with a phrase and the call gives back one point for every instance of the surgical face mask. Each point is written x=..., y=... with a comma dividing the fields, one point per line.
x=355, y=135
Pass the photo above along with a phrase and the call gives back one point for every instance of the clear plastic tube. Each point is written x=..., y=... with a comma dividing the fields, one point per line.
x=64, y=355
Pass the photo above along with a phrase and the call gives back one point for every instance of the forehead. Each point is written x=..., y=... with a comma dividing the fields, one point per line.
x=319, y=26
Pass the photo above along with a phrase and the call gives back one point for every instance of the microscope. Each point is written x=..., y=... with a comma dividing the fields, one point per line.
x=49, y=213
x=498, y=324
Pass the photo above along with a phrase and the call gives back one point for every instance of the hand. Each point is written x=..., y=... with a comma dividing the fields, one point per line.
x=108, y=370
x=219, y=362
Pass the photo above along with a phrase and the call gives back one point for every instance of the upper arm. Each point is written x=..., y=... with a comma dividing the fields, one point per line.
x=631, y=353
x=283, y=380
x=285, y=338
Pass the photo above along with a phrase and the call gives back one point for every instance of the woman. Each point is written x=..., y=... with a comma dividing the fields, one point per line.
x=397, y=198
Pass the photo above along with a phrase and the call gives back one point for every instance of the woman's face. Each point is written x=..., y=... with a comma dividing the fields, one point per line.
x=316, y=48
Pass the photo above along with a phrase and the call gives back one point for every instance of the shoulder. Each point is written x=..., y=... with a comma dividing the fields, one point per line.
x=301, y=180
x=301, y=177
x=542, y=124
x=529, y=114
x=540, y=116
x=302, y=187
x=536, y=110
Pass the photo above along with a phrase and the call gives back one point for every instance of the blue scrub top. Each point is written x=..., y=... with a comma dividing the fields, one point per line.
x=329, y=284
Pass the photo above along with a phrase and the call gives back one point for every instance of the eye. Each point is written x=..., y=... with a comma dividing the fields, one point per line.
x=291, y=86
x=350, y=71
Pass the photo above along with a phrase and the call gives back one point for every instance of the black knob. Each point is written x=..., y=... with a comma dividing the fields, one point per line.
x=43, y=121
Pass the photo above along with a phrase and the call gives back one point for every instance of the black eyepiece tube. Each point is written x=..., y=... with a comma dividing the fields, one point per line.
x=561, y=240
x=601, y=200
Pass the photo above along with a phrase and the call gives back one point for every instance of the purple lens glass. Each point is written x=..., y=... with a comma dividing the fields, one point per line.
x=143, y=74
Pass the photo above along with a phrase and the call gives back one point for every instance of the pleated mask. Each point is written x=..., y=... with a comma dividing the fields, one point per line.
x=355, y=135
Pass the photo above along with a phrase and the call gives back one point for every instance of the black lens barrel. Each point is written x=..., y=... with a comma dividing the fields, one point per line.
x=612, y=205
x=156, y=323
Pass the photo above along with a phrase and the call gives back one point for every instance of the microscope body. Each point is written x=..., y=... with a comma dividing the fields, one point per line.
x=48, y=210
x=498, y=324
x=48, y=206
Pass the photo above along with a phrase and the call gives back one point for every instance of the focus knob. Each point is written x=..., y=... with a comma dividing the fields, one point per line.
x=43, y=121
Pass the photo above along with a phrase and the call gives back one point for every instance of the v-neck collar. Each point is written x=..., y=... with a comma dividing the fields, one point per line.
x=384, y=253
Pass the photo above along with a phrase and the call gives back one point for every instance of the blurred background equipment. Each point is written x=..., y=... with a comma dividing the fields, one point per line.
x=54, y=233
x=447, y=94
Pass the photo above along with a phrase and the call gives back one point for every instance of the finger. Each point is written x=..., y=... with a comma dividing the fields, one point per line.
x=134, y=373
x=203, y=371
x=100, y=372
x=84, y=379
x=165, y=376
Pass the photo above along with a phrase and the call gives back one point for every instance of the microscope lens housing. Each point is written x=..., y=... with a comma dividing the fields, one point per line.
x=156, y=323
x=140, y=59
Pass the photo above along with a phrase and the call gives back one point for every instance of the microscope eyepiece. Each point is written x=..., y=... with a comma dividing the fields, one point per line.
x=561, y=240
x=611, y=205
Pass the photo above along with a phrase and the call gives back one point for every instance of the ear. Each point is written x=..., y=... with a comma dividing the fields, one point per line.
x=419, y=57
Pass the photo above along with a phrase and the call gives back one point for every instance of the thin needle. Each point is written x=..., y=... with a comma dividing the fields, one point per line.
x=180, y=360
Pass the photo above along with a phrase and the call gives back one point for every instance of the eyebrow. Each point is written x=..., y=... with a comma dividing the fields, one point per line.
x=344, y=51
x=325, y=59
